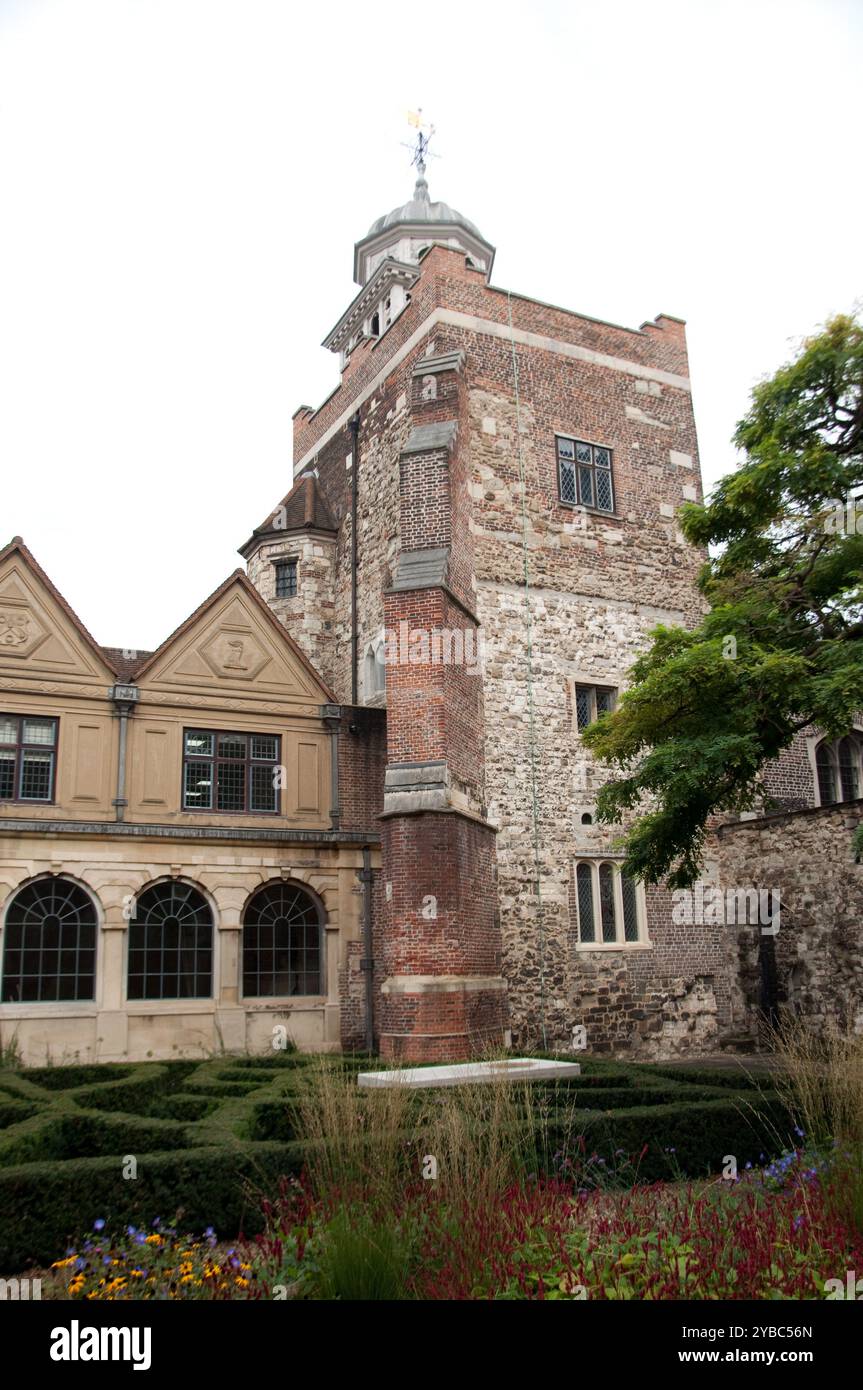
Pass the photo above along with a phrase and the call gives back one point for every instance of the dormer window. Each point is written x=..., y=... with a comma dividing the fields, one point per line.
x=376, y=325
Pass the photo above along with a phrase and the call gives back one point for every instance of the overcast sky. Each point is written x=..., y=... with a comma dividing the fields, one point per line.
x=182, y=182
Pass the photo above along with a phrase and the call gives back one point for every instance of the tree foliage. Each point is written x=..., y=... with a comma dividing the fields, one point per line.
x=781, y=647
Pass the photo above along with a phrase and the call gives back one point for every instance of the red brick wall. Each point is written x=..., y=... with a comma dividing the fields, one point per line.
x=362, y=762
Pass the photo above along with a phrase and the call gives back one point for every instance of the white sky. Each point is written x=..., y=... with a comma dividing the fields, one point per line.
x=182, y=182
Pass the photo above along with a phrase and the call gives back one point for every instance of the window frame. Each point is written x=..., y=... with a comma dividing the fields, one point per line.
x=595, y=863
x=577, y=685
x=317, y=905
x=144, y=1003
x=593, y=445
x=21, y=748
x=213, y=761
x=18, y=1008
x=287, y=562
x=830, y=752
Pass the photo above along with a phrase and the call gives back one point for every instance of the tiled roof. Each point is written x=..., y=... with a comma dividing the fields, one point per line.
x=304, y=509
x=125, y=660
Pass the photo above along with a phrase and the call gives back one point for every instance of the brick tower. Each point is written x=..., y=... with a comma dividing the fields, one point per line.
x=480, y=535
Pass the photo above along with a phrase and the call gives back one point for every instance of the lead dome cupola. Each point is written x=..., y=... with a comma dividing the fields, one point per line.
x=409, y=229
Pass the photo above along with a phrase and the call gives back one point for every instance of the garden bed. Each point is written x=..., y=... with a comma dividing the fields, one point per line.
x=208, y=1138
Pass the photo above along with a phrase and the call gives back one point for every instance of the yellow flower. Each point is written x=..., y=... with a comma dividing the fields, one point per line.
x=155, y=1240
x=241, y=1282
x=61, y=1264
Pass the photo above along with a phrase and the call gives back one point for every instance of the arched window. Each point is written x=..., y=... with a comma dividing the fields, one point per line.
x=282, y=932
x=606, y=901
x=610, y=907
x=849, y=777
x=826, y=779
x=839, y=767
x=584, y=886
x=171, y=943
x=49, y=943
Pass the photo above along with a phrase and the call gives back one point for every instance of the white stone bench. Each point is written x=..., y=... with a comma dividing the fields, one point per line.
x=513, y=1069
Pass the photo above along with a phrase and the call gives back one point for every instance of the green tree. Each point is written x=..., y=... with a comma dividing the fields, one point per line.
x=782, y=644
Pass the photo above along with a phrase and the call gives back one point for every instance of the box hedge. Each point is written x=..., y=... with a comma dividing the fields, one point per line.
x=205, y=1135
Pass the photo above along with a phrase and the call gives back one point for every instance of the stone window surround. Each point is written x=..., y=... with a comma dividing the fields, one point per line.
x=585, y=507
x=595, y=860
x=285, y=558
x=814, y=742
x=609, y=680
x=87, y=1008
x=592, y=687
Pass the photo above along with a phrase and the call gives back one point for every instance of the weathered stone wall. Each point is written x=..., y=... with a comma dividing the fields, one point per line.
x=309, y=616
x=816, y=956
x=562, y=594
x=595, y=586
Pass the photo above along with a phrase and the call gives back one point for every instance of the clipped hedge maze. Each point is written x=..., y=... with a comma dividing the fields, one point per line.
x=207, y=1137
x=198, y=1131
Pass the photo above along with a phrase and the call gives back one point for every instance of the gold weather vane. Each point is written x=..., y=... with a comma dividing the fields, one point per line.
x=420, y=147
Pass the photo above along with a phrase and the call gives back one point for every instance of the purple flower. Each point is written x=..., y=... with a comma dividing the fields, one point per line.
x=99, y=1225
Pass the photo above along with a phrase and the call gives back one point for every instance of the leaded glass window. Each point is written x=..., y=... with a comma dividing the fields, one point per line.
x=27, y=758
x=170, y=943
x=609, y=903
x=848, y=773
x=585, y=474
x=49, y=944
x=286, y=578
x=584, y=885
x=591, y=701
x=826, y=779
x=282, y=933
x=606, y=901
x=228, y=772
x=839, y=767
x=630, y=908
x=566, y=470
